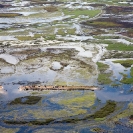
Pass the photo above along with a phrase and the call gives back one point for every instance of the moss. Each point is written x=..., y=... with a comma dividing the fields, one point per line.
x=105, y=111
x=125, y=63
x=26, y=100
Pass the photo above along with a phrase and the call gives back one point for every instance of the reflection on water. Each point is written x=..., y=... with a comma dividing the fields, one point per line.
x=56, y=65
x=9, y=58
x=117, y=69
x=3, y=38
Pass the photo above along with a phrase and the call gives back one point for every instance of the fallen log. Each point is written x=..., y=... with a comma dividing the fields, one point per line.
x=41, y=88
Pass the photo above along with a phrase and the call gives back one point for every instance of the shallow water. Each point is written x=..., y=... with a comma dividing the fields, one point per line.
x=23, y=68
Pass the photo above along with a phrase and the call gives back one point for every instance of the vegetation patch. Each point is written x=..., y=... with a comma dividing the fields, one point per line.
x=97, y=32
x=28, y=38
x=106, y=110
x=118, y=54
x=126, y=113
x=116, y=45
x=79, y=101
x=34, y=122
x=65, y=32
x=126, y=80
x=26, y=100
x=106, y=37
x=9, y=15
x=102, y=24
x=125, y=63
x=120, y=47
x=51, y=9
x=103, y=76
x=109, y=22
x=129, y=33
x=78, y=12
x=118, y=9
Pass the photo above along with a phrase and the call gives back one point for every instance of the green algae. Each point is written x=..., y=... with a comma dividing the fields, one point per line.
x=126, y=80
x=45, y=114
x=124, y=114
x=82, y=73
x=103, y=76
x=102, y=67
x=85, y=100
x=33, y=122
x=105, y=111
x=27, y=100
x=116, y=45
x=120, y=47
x=125, y=63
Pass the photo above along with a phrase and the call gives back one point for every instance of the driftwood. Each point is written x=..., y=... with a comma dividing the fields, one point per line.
x=41, y=88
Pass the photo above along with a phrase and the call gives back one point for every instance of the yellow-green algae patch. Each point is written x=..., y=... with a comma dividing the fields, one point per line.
x=125, y=63
x=85, y=100
x=104, y=77
x=73, y=102
x=126, y=113
x=42, y=114
x=8, y=130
